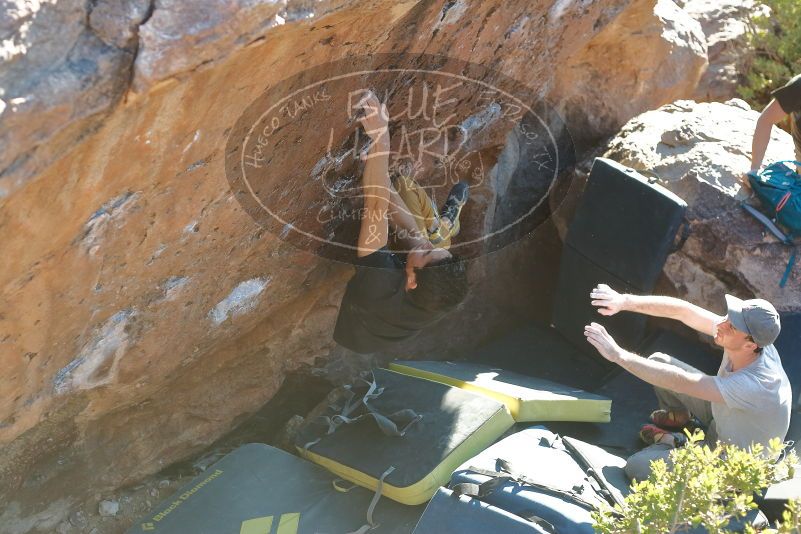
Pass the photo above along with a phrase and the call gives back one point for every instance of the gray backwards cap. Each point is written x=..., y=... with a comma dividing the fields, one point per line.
x=756, y=317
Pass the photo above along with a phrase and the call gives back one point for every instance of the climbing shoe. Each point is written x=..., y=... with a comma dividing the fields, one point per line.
x=651, y=434
x=675, y=419
x=457, y=198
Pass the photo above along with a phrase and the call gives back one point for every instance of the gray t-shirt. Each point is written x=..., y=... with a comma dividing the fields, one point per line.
x=757, y=401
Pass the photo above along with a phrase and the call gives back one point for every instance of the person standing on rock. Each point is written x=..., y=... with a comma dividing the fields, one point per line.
x=786, y=101
x=391, y=299
x=748, y=401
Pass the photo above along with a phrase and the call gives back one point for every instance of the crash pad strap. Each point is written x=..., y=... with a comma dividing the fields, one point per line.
x=601, y=486
x=497, y=478
x=479, y=491
x=371, y=524
x=604, y=489
x=531, y=517
x=337, y=484
x=386, y=423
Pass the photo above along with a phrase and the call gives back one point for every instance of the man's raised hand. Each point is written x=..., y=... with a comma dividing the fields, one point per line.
x=608, y=301
x=599, y=338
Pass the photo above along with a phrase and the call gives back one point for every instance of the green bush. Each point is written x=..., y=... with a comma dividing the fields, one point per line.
x=776, y=41
x=791, y=519
x=705, y=487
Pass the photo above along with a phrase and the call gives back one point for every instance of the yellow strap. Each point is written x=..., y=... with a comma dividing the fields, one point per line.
x=337, y=483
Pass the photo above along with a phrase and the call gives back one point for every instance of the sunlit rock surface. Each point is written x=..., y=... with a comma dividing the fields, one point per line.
x=725, y=24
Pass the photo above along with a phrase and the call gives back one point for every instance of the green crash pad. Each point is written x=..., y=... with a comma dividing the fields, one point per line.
x=452, y=425
x=258, y=489
x=528, y=399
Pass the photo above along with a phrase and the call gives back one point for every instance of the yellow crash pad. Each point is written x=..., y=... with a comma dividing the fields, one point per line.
x=527, y=398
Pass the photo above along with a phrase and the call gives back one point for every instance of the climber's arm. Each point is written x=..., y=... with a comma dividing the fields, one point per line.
x=771, y=115
x=376, y=187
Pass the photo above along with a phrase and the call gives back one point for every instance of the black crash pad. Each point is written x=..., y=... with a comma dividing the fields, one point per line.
x=620, y=235
x=789, y=347
x=573, y=308
x=625, y=224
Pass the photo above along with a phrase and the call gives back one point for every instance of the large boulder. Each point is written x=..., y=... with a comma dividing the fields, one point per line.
x=603, y=83
x=67, y=64
x=144, y=313
x=725, y=24
x=699, y=151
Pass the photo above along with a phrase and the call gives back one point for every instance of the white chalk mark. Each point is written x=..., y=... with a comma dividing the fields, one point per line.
x=194, y=139
x=241, y=300
x=172, y=286
x=97, y=361
x=557, y=10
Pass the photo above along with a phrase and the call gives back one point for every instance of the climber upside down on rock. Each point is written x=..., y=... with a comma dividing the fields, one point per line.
x=392, y=296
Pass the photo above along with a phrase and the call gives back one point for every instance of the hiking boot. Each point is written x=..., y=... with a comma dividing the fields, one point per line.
x=651, y=434
x=457, y=198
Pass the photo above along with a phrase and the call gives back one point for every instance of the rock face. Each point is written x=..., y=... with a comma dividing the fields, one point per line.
x=59, y=78
x=725, y=25
x=181, y=36
x=614, y=76
x=143, y=311
x=68, y=63
x=698, y=151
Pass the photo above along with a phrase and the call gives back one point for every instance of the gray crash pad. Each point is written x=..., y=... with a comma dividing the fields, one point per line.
x=258, y=489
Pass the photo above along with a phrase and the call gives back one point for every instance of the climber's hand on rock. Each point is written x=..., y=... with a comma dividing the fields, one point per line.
x=375, y=118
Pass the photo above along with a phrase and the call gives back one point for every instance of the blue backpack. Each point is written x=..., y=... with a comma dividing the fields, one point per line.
x=778, y=188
